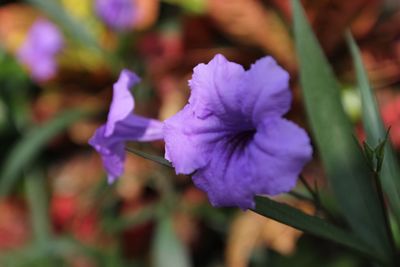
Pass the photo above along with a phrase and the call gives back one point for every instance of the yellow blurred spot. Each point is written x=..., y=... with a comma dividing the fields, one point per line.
x=79, y=8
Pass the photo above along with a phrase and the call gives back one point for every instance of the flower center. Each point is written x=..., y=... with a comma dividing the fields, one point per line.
x=240, y=140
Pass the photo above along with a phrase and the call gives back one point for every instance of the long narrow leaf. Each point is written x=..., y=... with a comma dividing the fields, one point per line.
x=310, y=224
x=38, y=205
x=37, y=199
x=31, y=144
x=373, y=125
x=346, y=169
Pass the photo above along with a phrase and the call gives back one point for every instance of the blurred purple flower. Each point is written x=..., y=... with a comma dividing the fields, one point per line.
x=118, y=14
x=44, y=41
x=121, y=126
x=231, y=135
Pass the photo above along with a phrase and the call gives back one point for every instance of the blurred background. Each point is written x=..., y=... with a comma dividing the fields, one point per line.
x=58, y=61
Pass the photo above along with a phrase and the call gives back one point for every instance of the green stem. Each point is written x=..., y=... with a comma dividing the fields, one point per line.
x=145, y=155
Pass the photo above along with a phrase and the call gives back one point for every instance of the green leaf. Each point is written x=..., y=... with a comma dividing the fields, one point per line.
x=24, y=152
x=376, y=131
x=37, y=198
x=346, y=169
x=168, y=251
x=310, y=224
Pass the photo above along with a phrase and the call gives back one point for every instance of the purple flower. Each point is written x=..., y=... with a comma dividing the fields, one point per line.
x=44, y=41
x=231, y=135
x=121, y=126
x=118, y=14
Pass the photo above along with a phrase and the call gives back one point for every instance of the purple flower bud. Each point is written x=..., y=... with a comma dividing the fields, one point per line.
x=44, y=41
x=118, y=14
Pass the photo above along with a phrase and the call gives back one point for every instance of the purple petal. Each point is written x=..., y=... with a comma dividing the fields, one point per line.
x=45, y=68
x=223, y=88
x=189, y=140
x=112, y=148
x=227, y=179
x=267, y=163
x=118, y=14
x=138, y=128
x=123, y=126
x=40, y=48
x=215, y=87
x=46, y=37
x=277, y=154
x=123, y=103
x=112, y=153
x=267, y=90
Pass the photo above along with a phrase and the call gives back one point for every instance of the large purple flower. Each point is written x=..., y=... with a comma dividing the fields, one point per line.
x=231, y=135
x=44, y=41
x=121, y=126
x=118, y=14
